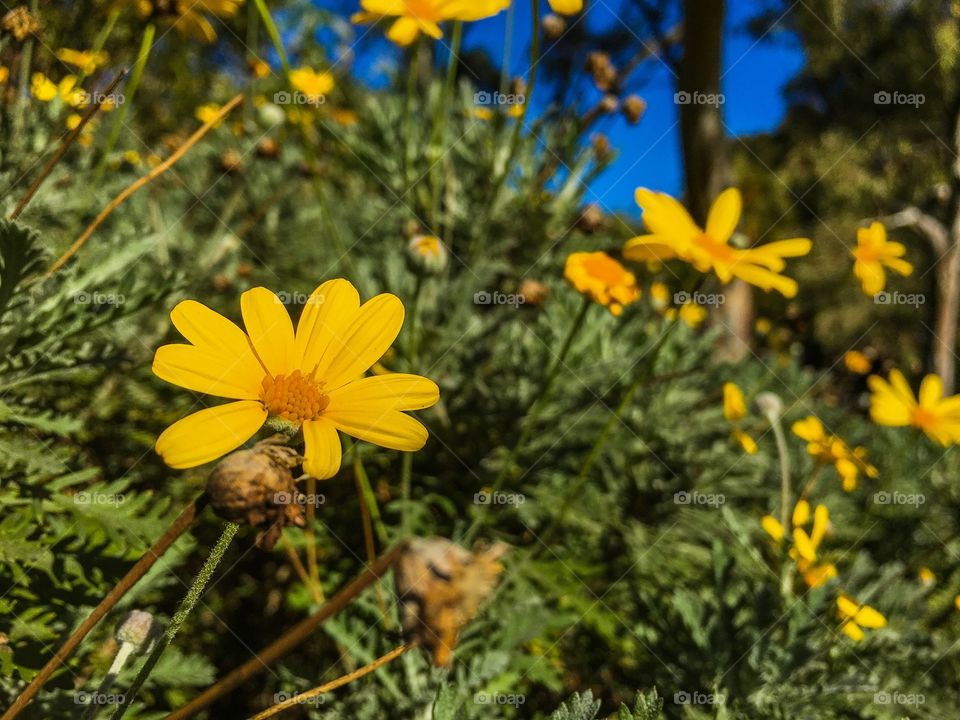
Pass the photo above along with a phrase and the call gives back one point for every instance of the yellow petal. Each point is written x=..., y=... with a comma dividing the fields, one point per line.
x=566, y=7
x=374, y=328
x=809, y=429
x=931, y=391
x=801, y=541
x=801, y=513
x=322, y=452
x=724, y=215
x=213, y=373
x=270, y=329
x=734, y=406
x=396, y=391
x=209, y=329
x=773, y=527
x=870, y=618
x=748, y=444
x=819, y=574
x=329, y=311
x=852, y=631
x=847, y=606
x=404, y=31
x=821, y=521
x=381, y=426
x=210, y=433
x=646, y=248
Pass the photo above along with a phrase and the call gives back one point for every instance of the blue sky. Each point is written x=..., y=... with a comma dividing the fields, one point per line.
x=755, y=73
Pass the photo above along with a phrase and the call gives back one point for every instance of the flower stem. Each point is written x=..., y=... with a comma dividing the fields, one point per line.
x=146, y=44
x=274, y=34
x=146, y=561
x=440, y=122
x=334, y=684
x=186, y=606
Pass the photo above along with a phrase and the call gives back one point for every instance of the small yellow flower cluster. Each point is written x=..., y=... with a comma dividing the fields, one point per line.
x=734, y=410
x=804, y=547
x=831, y=450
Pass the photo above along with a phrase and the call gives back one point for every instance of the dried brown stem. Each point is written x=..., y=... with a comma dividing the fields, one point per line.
x=141, y=182
x=140, y=569
x=290, y=639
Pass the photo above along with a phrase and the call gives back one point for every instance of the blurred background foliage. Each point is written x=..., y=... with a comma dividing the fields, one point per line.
x=615, y=586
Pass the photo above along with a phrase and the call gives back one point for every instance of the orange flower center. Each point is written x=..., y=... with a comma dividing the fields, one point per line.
x=866, y=253
x=422, y=9
x=716, y=250
x=295, y=397
x=924, y=419
x=605, y=269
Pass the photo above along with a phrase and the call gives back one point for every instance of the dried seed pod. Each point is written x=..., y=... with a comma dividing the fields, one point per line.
x=20, y=23
x=602, y=70
x=231, y=161
x=591, y=218
x=553, y=26
x=534, y=292
x=601, y=146
x=633, y=108
x=268, y=148
x=440, y=585
x=255, y=487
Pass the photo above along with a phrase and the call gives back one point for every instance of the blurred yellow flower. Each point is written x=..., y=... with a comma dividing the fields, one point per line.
x=674, y=234
x=42, y=88
x=566, y=7
x=206, y=113
x=803, y=550
x=602, y=279
x=659, y=295
x=86, y=61
x=416, y=16
x=874, y=252
x=132, y=157
x=191, y=20
x=71, y=93
x=856, y=362
x=831, y=450
x=4, y=74
x=855, y=617
x=482, y=113
x=926, y=576
x=762, y=325
x=734, y=410
x=311, y=83
x=692, y=314
x=311, y=379
x=892, y=403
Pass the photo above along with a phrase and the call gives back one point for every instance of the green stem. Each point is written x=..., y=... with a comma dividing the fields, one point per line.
x=368, y=497
x=100, y=41
x=253, y=41
x=130, y=90
x=23, y=85
x=409, y=154
x=440, y=124
x=507, y=46
x=274, y=34
x=186, y=606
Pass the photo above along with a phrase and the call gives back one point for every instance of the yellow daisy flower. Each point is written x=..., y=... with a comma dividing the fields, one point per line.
x=602, y=279
x=42, y=88
x=311, y=83
x=892, y=403
x=803, y=550
x=674, y=234
x=424, y=16
x=311, y=378
x=566, y=7
x=856, y=362
x=874, y=252
x=831, y=450
x=86, y=61
x=855, y=617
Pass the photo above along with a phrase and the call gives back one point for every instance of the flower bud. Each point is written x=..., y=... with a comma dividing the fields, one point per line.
x=591, y=218
x=553, y=26
x=427, y=253
x=139, y=629
x=633, y=108
x=770, y=405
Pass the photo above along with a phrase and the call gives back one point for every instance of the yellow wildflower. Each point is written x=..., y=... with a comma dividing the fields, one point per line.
x=4, y=74
x=311, y=379
x=692, y=314
x=42, y=87
x=207, y=112
x=763, y=326
x=674, y=234
x=831, y=450
x=855, y=617
x=803, y=550
x=192, y=21
x=659, y=295
x=482, y=113
x=856, y=362
x=874, y=252
x=311, y=83
x=602, y=279
x=892, y=403
x=416, y=16
x=734, y=410
x=86, y=61
x=926, y=576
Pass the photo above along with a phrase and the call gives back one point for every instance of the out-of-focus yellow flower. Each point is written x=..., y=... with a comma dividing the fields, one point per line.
x=763, y=326
x=832, y=450
x=315, y=85
x=856, y=362
x=482, y=113
x=206, y=113
x=71, y=93
x=892, y=403
x=259, y=69
x=692, y=314
x=956, y=602
x=132, y=157
x=86, y=61
x=602, y=279
x=344, y=117
x=874, y=253
x=804, y=547
x=674, y=234
x=735, y=410
x=855, y=617
x=659, y=295
x=311, y=379
x=926, y=576
x=73, y=120
x=42, y=88
x=514, y=110
x=4, y=74
x=566, y=7
x=191, y=16
x=424, y=16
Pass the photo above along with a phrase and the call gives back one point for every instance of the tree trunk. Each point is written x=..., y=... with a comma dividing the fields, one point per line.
x=948, y=299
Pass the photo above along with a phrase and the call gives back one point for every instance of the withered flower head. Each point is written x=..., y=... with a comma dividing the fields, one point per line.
x=20, y=23
x=440, y=585
x=139, y=629
x=255, y=487
x=601, y=69
x=591, y=218
x=553, y=26
x=534, y=292
x=633, y=108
